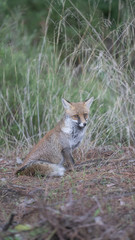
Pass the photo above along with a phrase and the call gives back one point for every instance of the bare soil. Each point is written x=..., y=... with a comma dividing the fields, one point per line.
x=95, y=201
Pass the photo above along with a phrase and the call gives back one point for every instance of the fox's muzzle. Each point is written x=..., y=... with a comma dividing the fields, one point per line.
x=82, y=125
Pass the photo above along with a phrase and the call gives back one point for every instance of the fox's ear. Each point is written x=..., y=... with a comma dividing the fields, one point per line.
x=88, y=102
x=66, y=103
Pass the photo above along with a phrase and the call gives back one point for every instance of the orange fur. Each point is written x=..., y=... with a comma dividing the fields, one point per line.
x=55, y=149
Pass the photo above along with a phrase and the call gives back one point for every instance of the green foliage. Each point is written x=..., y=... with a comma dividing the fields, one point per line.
x=23, y=227
x=97, y=212
x=71, y=26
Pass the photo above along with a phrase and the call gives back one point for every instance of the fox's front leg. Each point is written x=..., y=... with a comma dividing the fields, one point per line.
x=68, y=159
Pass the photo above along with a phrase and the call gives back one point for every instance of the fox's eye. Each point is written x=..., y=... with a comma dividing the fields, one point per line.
x=85, y=115
x=75, y=116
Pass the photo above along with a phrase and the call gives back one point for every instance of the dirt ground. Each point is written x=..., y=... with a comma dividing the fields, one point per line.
x=95, y=201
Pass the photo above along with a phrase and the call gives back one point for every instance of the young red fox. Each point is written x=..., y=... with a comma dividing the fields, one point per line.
x=54, y=151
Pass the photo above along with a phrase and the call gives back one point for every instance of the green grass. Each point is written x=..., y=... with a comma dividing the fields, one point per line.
x=34, y=78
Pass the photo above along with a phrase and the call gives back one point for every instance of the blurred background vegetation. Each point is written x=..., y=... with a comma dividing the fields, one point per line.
x=67, y=48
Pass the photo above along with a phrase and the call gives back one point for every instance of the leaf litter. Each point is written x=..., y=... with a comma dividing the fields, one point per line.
x=95, y=201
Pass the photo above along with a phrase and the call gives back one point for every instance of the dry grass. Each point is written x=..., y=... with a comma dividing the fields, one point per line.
x=101, y=64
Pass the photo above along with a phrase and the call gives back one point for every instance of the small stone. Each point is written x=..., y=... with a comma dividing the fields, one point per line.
x=3, y=179
x=19, y=160
x=99, y=221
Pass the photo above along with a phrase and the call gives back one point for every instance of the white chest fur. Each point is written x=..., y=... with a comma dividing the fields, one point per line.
x=77, y=136
x=73, y=132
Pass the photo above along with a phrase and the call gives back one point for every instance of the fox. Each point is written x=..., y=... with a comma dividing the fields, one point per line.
x=52, y=155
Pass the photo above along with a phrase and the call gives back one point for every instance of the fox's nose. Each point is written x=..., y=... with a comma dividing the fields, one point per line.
x=82, y=125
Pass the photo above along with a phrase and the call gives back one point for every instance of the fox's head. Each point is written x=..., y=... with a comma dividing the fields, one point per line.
x=78, y=112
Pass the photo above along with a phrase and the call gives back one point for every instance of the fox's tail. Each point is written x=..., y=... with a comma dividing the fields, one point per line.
x=42, y=168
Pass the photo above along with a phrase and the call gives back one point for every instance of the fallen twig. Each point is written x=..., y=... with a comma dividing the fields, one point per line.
x=9, y=223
